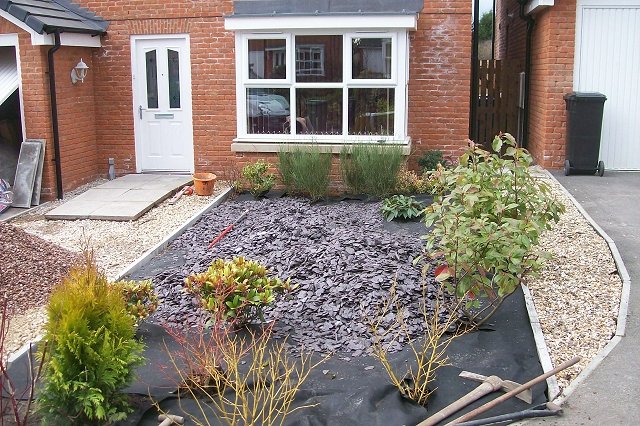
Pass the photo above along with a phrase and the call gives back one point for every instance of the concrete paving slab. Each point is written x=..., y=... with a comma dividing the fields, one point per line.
x=100, y=194
x=126, y=198
x=71, y=211
x=121, y=210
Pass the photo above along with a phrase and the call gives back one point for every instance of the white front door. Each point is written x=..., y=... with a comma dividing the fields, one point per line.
x=607, y=61
x=162, y=103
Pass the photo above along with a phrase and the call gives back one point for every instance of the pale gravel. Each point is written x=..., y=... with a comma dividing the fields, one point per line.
x=115, y=244
x=576, y=294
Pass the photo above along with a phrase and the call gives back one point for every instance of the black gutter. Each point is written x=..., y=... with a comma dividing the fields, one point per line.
x=527, y=72
x=54, y=113
x=474, y=70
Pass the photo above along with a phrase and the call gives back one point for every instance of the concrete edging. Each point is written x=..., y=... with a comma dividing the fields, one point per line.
x=622, y=311
x=146, y=257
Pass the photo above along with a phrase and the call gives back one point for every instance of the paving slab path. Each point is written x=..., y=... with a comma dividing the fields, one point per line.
x=610, y=395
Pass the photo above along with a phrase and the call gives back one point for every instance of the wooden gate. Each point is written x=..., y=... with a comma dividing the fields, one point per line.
x=496, y=108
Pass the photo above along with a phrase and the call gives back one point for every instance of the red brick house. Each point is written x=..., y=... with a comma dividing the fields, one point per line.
x=576, y=45
x=189, y=86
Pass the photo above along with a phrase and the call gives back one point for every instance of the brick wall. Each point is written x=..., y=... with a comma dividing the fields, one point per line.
x=511, y=31
x=551, y=77
x=439, y=78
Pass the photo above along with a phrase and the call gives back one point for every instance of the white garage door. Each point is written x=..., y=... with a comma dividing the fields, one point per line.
x=608, y=61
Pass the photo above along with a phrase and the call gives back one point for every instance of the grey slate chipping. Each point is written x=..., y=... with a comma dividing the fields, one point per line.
x=47, y=16
x=325, y=7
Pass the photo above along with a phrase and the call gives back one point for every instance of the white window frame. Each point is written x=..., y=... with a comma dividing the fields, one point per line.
x=398, y=81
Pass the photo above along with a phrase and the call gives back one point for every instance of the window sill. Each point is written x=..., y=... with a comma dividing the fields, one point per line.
x=252, y=145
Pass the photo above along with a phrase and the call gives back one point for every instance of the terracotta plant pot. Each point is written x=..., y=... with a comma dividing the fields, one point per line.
x=203, y=183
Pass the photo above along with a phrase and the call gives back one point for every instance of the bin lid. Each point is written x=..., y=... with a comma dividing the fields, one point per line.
x=585, y=97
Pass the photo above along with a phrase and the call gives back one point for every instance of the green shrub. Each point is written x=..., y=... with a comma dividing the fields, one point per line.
x=430, y=160
x=401, y=206
x=371, y=169
x=91, y=351
x=408, y=182
x=486, y=223
x=305, y=171
x=236, y=289
x=257, y=176
x=141, y=301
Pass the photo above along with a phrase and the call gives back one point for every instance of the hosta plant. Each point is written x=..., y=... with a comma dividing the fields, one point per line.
x=236, y=289
x=401, y=207
x=258, y=178
x=487, y=221
x=92, y=351
x=141, y=300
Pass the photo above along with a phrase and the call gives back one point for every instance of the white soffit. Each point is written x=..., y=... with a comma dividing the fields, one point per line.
x=535, y=6
x=9, y=81
x=66, y=39
x=279, y=23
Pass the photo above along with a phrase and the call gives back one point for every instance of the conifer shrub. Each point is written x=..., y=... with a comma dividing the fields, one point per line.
x=91, y=351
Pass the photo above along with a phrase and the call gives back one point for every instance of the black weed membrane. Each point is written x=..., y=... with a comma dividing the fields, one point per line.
x=344, y=259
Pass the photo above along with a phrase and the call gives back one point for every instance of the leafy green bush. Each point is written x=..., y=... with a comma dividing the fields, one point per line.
x=430, y=160
x=236, y=289
x=305, y=171
x=257, y=176
x=91, y=351
x=401, y=206
x=371, y=169
x=408, y=182
x=141, y=300
x=487, y=221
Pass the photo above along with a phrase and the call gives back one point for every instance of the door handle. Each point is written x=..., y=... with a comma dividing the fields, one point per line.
x=140, y=111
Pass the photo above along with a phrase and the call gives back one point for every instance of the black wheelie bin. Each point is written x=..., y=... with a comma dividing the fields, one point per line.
x=584, y=128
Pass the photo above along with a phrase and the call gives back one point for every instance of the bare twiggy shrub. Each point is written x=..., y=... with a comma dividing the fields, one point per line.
x=15, y=405
x=414, y=379
x=238, y=378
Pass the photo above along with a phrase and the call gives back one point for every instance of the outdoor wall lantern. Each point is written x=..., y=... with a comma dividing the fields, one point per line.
x=79, y=72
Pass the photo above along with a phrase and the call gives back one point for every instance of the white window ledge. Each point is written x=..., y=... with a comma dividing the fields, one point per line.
x=353, y=22
x=248, y=145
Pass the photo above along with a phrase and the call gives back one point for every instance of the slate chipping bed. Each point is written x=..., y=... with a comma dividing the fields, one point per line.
x=342, y=255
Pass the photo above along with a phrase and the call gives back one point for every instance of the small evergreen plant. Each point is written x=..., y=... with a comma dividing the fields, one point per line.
x=91, y=351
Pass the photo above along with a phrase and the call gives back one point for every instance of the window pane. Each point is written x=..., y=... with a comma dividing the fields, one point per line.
x=152, y=79
x=319, y=111
x=174, y=78
x=371, y=58
x=267, y=111
x=267, y=59
x=371, y=111
x=319, y=58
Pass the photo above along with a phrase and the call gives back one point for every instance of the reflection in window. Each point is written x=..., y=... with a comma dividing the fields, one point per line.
x=319, y=111
x=371, y=111
x=174, y=78
x=152, y=79
x=267, y=59
x=268, y=111
x=318, y=58
x=371, y=58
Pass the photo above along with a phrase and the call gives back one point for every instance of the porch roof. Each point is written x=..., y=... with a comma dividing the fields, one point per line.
x=244, y=8
x=48, y=16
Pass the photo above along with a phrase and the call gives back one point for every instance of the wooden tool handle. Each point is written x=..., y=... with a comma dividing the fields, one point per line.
x=471, y=414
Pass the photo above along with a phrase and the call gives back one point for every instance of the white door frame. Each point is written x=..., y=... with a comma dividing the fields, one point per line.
x=137, y=128
x=12, y=40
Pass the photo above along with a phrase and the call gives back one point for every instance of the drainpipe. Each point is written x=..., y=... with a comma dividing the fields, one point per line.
x=54, y=112
x=474, y=71
x=527, y=71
